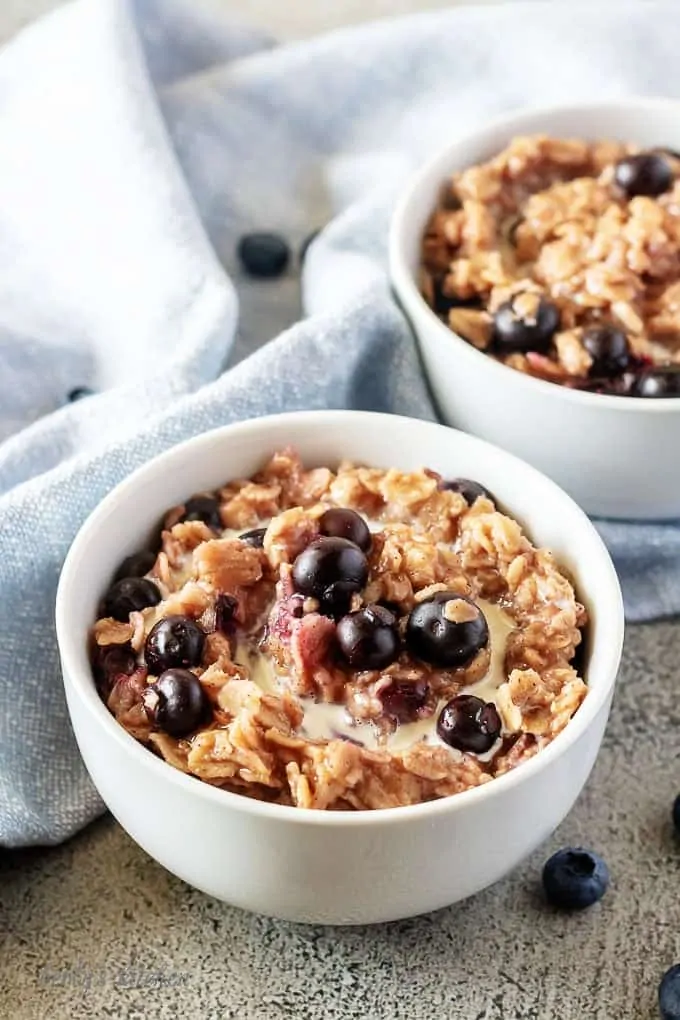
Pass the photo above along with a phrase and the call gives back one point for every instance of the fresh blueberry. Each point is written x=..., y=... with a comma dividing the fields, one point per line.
x=527, y=322
x=662, y=381
x=330, y=570
x=368, y=638
x=203, y=508
x=469, y=490
x=309, y=239
x=647, y=173
x=175, y=641
x=446, y=630
x=225, y=611
x=136, y=565
x=669, y=994
x=403, y=699
x=676, y=814
x=254, y=537
x=263, y=254
x=609, y=349
x=176, y=703
x=575, y=878
x=340, y=523
x=469, y=724
x=129, y=595
x=79, y=393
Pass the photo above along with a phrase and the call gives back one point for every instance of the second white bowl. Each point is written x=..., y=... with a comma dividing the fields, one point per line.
x=617, y=456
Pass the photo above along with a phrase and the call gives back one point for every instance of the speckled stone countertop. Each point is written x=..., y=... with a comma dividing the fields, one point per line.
x=96, y=929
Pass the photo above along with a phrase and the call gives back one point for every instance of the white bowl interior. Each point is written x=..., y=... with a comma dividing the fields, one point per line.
x=125, y=519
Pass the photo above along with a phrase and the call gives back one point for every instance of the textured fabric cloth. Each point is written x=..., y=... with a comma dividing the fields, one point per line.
x=137, y=141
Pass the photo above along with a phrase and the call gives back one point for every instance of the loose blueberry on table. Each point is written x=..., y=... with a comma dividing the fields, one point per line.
x=669, y=994
x=79, y=393
x=263, y=254
x=575, y=878
x=676, y=815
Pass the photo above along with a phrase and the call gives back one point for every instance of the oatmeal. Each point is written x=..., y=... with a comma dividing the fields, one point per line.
x=561, y=259
x=350, y=639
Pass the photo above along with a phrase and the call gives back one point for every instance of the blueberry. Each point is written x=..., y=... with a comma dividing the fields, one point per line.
x=676, y=814
x=176, y=703
x=225, y=611
x=254, y=537
x=79, y=393
x=173, y=641
x=669, y=994
x=330, y=570
x=609, y=349
x=130, y=594
x=446, y=630
x=309, y=239
x=368, y=638
x=647, y=173
x=340, y=523
x=527, y=322
x=263, y=254
x=403, y=699
x=469, y=724
x=469, y=490
x=662, y=381
x=575, y=878
x=203, y=508
x=136, y=565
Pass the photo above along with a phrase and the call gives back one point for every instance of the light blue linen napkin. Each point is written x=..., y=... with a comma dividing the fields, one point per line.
x=138, y=140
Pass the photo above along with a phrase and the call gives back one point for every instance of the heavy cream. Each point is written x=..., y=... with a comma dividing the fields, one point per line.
x=323, y=721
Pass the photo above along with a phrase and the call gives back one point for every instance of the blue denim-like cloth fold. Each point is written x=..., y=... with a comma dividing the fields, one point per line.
x=138, y=140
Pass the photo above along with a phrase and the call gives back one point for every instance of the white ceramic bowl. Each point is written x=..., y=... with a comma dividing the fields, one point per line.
x=617, y=456
x=342, y=867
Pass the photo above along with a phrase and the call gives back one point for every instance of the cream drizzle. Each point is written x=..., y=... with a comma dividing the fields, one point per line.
x=324, y=721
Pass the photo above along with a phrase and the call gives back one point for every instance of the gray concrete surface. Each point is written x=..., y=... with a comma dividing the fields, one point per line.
x=96, y=929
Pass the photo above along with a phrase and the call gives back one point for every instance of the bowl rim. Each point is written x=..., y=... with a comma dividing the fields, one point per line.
x=404, y=281
x=80, y=683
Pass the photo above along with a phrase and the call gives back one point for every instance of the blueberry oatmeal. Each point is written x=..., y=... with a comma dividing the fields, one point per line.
x=561, y=258
x=350, y=639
